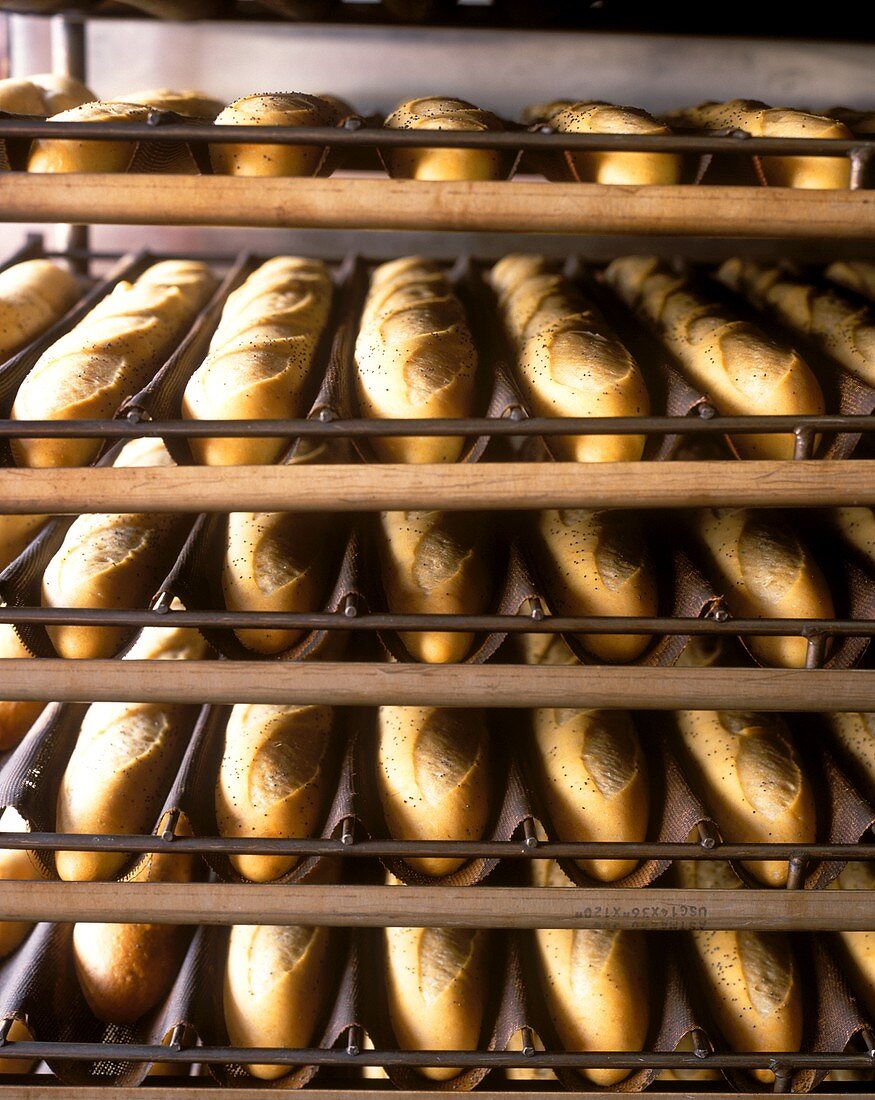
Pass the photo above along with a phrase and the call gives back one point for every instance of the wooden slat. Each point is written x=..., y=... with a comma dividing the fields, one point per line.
x=367, y=203
x=362, y=684
x=193, y=1092
x=483, y=907
x=466, y=486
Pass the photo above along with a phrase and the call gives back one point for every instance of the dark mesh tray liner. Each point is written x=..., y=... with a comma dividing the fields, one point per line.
x=196, y=580
x=197, y=792
x=511, y=805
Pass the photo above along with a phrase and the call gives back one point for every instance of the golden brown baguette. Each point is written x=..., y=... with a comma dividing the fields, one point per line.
x=33, y=295
x=569, y=361
x=855, y=734
x=17, y=864
x=856, y=275
x=260, y=357
x=42, y=94
x=441, y=113
x=597, y=563
x=751, y=984
x=273, y=109
x=433, y=776
x=593, y=779
x=124, y=760
x=16, y=715
x=760, y=120
x=437, y=986
x=858, y=948
x=18, y=1033
x=857, y=526
x=435, y=563
x=735, y=363
x=276, y=988
x=187, y=102
x=275, y=561
x=415, y=357
x=763, y=570
x=275, y=779
x=596, y=989
x=109, y=355
x=61, y=155
x=752, y=781
x=841, y=328
x=566, y=116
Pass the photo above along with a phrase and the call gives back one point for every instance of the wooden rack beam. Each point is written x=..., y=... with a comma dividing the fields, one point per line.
x=369, y=203
x=182, y=1091
x=654, y=909
x=364, y=684
x=509, y=485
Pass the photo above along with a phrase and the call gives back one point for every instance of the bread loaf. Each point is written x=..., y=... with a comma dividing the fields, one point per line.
x=742, y=370
x=277, y=988
x=17, y=864
x=855, y=734
x=569, y=361
x=759, y=120
x=57, y=155
x=858, y=948
x=433, y=776
x=191, y=103
x=595, y=117
x=123, y=762
x=16, y=715
x=18, y=1033
x=856, y=275
x=16, y=532
x=435, y=563
x=437, y=987
x=109, y=355
x=857, y=527
x=415, y=358
x=273, y=109
x=746, y=769
x=260, y=358
x=593, y=779
x=596, y=989
x=275, y=779
x=842, y=329
x=33, y=295
x=751, y=985
x=44, y=94
x=441, y=113
x=597, y=563
x=763, y=570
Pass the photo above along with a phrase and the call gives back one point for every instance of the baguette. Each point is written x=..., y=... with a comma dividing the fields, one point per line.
x=275, y=561
x=435, y=563
x=857, y=527
x=842, y=329
x=566, y=116
x=123, y=762
x=33, y=295
x=43, y=94
x=763, y=570
x=592, y=775
x=569, y=361
x=109, y=355
x=16, y=533
x=415, y=357
x=597, y=563
x=190, y=103
x=856, y=275
x=275, y=779
x=858, y=948
x=16, y=715
x=596, y=989
x=751, y=985
x=759, y=120
x=16, y=864
x=437, y=987
x=60, y=155
x=18, y=1033
x=433, y=777
x=273, y=109
x=276, y=989
x=441, y=113
x=752, y=781
x=734, y=362
x=260, y=358
x=855, y=734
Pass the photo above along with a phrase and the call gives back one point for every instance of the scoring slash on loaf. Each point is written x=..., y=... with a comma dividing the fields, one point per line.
x=752, y=781
x=276, y=988
x=763, y=570
x=260, y=358
x=593, y=779
x=597, y=563
x=274, y=109
x=275, y=779
x=597, y=991
x=742, y=370
x=433, y=777
x=566, y=116
x=124, y=760
x=109, y=355
x=415, y=357
x=440, y=113
x=437, y=984
x=435, y=563
x=760, y=120
x=568, y=359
